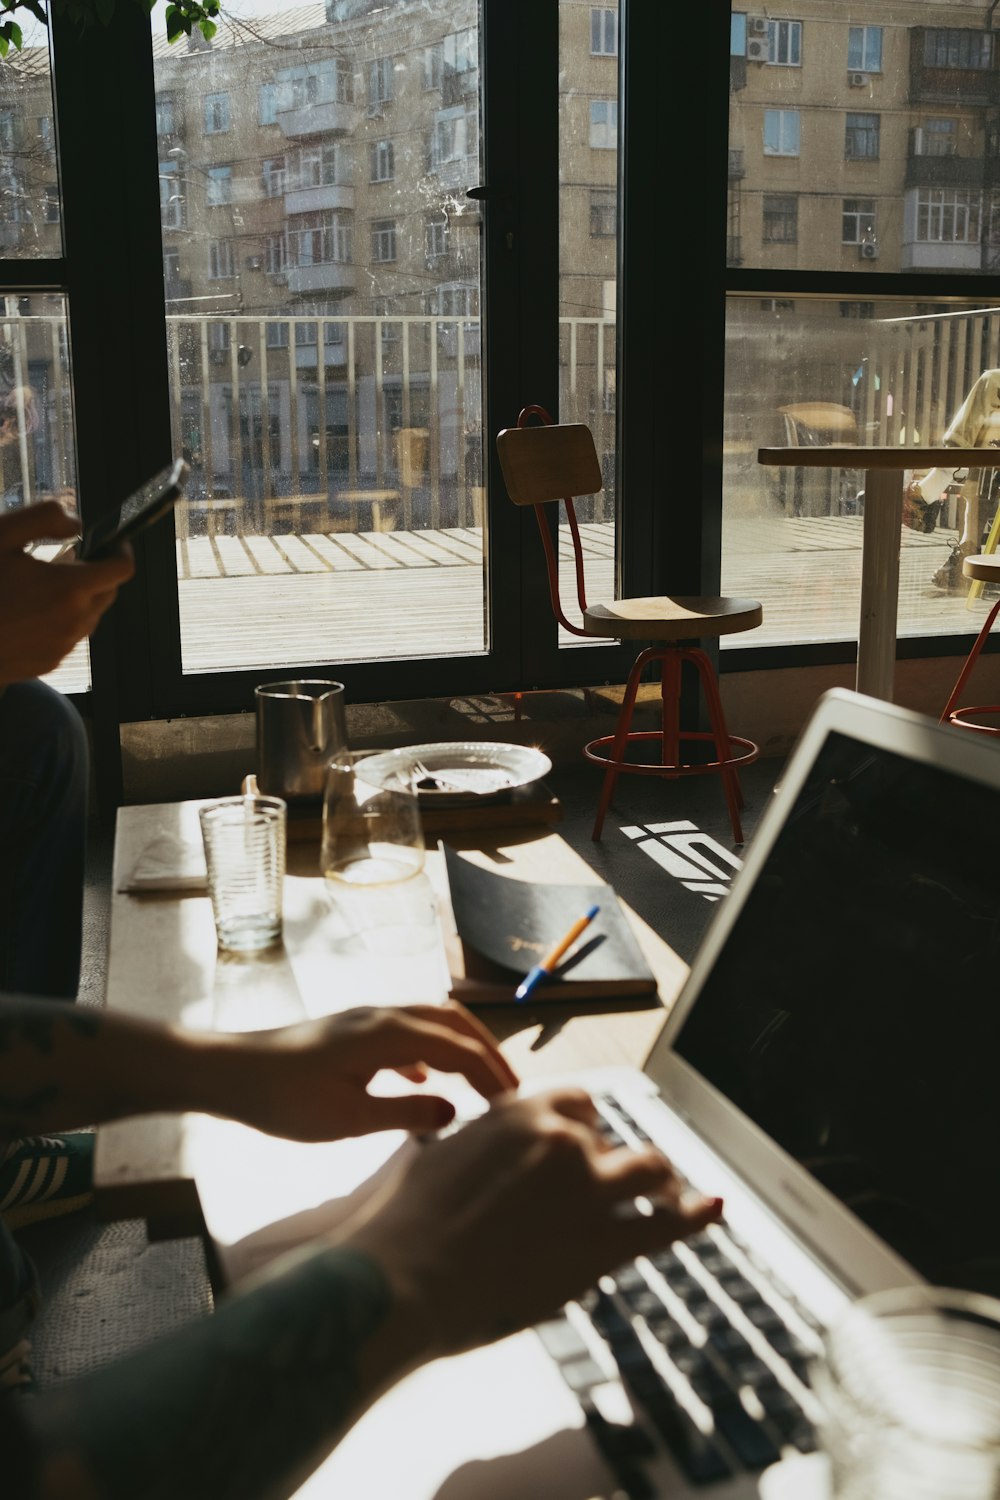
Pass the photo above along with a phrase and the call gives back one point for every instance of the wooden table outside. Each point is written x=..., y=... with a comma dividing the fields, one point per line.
x=192, y=1174
x=883, y=517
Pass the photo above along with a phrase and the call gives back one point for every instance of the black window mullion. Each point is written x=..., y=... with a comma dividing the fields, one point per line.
x=117, y=332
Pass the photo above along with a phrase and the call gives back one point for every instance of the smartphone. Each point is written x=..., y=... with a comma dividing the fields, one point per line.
x=137, y=511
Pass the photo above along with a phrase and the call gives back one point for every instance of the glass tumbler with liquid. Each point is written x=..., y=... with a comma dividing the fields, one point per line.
x=909, y=1391
x=372, y=841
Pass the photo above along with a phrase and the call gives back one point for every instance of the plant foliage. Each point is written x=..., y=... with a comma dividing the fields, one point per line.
x=182, y=16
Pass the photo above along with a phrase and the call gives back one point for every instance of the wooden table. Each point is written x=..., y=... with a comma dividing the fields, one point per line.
x=884, y=468
x=193, y=1174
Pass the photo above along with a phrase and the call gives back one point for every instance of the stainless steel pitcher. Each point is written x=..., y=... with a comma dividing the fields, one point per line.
x=301, y=727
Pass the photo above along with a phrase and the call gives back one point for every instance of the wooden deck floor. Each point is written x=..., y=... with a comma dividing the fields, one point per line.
x=316, y=598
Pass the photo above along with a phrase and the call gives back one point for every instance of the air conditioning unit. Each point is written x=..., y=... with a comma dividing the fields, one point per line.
x=757, y=50
x=254, y=262
x=868, y=250
x=757, y=26
x=857, y=80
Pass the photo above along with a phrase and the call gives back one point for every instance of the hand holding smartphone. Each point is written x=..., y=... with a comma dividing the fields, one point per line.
x=137, y=511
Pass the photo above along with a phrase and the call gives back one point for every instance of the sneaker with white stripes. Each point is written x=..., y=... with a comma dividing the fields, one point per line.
x=43, y=1176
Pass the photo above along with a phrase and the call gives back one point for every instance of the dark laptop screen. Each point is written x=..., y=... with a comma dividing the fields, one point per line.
x=854, y=1009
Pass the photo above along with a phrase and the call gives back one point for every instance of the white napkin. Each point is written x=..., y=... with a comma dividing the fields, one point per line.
x=168, y=864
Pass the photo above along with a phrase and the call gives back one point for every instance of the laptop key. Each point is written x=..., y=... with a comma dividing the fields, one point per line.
x=746, y=1437
x=615, y=1440
x=561, y=1339
x=695, y=1453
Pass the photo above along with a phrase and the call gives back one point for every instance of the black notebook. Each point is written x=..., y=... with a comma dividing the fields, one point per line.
x=503, y=927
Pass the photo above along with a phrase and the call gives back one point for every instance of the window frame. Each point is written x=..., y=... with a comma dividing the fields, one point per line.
x=870, y=135
x=860, y=35
x=784, y=119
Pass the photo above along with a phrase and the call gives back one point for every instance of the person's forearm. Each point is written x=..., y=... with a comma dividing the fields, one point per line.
x=65, y=1065
x=239, y=1406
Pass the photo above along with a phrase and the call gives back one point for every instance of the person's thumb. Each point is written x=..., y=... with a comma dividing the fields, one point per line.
x=417, y=1112
x=35, y=523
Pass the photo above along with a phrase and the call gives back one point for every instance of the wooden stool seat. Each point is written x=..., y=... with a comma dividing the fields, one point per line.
x=984, y=568
x=671, y=617
x=545, y=461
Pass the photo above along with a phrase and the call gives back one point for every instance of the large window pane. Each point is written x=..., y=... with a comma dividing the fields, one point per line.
x=37, y=445
x=828, y=372
x=873, y=103
x=321, y=272
x=29, y=179
x=588, y=230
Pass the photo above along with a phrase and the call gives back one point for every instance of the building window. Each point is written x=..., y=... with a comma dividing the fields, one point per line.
x=382, y=161
x=861, y=138
x=781, y=219
x=603, y=213
x=380, y=83
x=384, y=240
x=275, y=254
x=948, y=216
x=219, y=186
x=936, y=138
x=781, y=132
x=317, y=166
x=455, y=135
x=460, y=51
x=784, y=43
x=172, y=205
x=273, y=175
x=319, y=239
x=220, y=260
x=50, y=203
x=603, y=32
x=166, y=114
x=857, y=309
x=267, y=104
x=276, y=335
x=858, y=220
x=864, y=49
x=433, y=66
x=328, y=82
x=217, y=117
x=8, y=129
x=436, y=236
x=604, y=124
x=219, y=337
x=953, y=47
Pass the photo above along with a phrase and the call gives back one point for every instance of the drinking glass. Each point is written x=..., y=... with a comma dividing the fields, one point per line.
x=244, y=840
x=372, y=834
x=909, y=1391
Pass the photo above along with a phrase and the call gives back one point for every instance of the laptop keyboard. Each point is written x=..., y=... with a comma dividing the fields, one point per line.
x=695, y=1349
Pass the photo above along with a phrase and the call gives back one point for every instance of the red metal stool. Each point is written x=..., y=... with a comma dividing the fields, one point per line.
x=982, y=568
x=544, y=461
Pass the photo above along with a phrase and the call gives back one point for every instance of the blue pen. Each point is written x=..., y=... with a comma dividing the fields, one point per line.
x=543, y=970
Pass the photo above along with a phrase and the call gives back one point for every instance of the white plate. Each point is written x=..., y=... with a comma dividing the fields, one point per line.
x=464, y=771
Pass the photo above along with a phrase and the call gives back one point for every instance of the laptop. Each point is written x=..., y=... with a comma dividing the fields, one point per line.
x=829, y=1069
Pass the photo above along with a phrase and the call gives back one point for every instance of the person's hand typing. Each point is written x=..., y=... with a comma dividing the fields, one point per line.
x=310, y=1082
x=46, y=609
x=496, y=1226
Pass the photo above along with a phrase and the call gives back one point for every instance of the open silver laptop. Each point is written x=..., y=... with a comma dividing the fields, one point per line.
x=830, y=1070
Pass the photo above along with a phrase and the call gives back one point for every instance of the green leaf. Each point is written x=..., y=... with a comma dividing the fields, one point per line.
x=15, y=34
x=208, y=29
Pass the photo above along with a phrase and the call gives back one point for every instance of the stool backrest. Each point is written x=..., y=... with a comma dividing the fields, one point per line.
x=544, y=461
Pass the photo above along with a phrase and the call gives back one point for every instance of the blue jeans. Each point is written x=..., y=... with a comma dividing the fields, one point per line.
x=44, y=774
